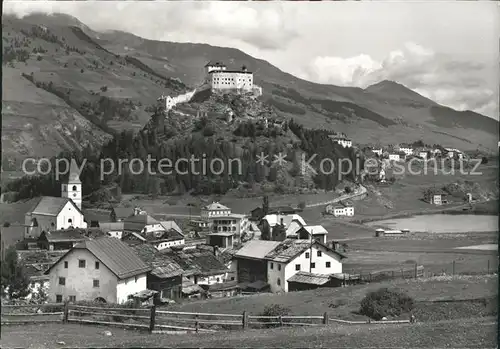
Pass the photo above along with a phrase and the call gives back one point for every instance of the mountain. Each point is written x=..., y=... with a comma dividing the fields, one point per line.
x=67, y=86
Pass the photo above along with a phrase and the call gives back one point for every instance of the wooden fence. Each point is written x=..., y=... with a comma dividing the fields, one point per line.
x=160, y=321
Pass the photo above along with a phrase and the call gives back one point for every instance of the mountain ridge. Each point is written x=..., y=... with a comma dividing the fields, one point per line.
x=113, y=77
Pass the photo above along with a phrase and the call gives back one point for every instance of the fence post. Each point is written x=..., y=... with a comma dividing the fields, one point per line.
x=196, y=324
x=416, y=267
x=453, y=269
x=488, y=271
x=370, y=277
x=65, y=312
x=244, y=321
x=325, y=318
x=280, y=320
x=152, y=318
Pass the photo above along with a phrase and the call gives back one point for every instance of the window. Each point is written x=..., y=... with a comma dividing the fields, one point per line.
x=70, y=221
x=65, y=264
x=272, y=265
x=74, y=188
x=279, y=266
x=319, y=253
x=328, y=264
x=297, y=266
x=313, y=265
x=307, y=255
x=97, y=265
x=217, y=280
x=232, y=278
x=62, y=281
x=278, y=281
x=81, y=263
x=96, y=283
x=58, y=298
x=72, y=298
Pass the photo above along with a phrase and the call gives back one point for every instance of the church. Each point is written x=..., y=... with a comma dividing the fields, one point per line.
x=55, y=213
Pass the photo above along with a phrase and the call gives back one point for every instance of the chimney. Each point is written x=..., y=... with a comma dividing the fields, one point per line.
x=281, y=220
x=335, y=245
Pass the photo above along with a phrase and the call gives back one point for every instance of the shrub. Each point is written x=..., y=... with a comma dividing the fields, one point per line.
x=274, y=310
x=385, y=302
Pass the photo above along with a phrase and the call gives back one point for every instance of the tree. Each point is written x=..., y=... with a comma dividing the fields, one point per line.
x=265, y=205
x=302, y=205
x=385, y=302
x=484, y=160
x=15, y=283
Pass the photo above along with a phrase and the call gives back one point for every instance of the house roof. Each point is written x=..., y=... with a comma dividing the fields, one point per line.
x=111, y=226
x=316, y=229
x=215, y=206
x=64, y=235
x=228, y=285
x=138, y=222
x=309, y=278
x=273, y=219
x=165, y=235
x=222, y=233
x=163, y=267
x=115, y=255
x=256, y=249
x=189, y=287
x=290, y=248
x=123, y=212
x=216, y=64
x=51, y=206
x=196, y=261
x=171, y=225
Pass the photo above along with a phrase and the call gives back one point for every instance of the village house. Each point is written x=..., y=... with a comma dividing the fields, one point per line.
x=405, y=148
x=160, y=239
x=423, y=154
x=67, y=238
x=118, y=214
x=377, y=151
x=342, y=140
x=214, y=209
x=397, y=156
x=105, y=269
x=258, y=213
x=199, y=265
x=315, y=232
x=221, y=220
x=113, y=229
x=165, y=276
x=343, y=210
x=276, y=262
x=436, y=197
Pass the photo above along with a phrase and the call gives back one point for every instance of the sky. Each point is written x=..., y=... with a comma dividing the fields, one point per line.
x=446, y=51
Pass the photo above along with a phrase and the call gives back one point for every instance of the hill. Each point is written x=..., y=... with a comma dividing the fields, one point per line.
x=65, y=82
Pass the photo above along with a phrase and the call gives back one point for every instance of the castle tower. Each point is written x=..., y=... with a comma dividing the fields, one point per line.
x=72, y=188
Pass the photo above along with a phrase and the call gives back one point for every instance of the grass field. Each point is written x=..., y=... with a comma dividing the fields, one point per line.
x=471, y=333
x=347, y=299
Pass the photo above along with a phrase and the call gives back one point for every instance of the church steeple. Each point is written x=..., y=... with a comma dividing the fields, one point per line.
x=72, y=188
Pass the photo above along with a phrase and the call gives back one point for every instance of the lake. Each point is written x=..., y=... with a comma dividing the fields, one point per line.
x=441, y=223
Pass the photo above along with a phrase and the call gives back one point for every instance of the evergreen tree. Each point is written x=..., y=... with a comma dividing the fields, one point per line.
x=15, y=283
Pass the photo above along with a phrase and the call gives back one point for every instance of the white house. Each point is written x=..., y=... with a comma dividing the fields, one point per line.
x=394, y=157
x=406, y=149
x=339, y=211
x=222, y=79
x=214, y=209
x=423, y=155
x=104, y=269
x=377, y=151
x=343, y=141
x=50, y=213
x=293, y=256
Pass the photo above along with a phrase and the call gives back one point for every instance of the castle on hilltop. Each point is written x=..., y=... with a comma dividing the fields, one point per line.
x=220, y=78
